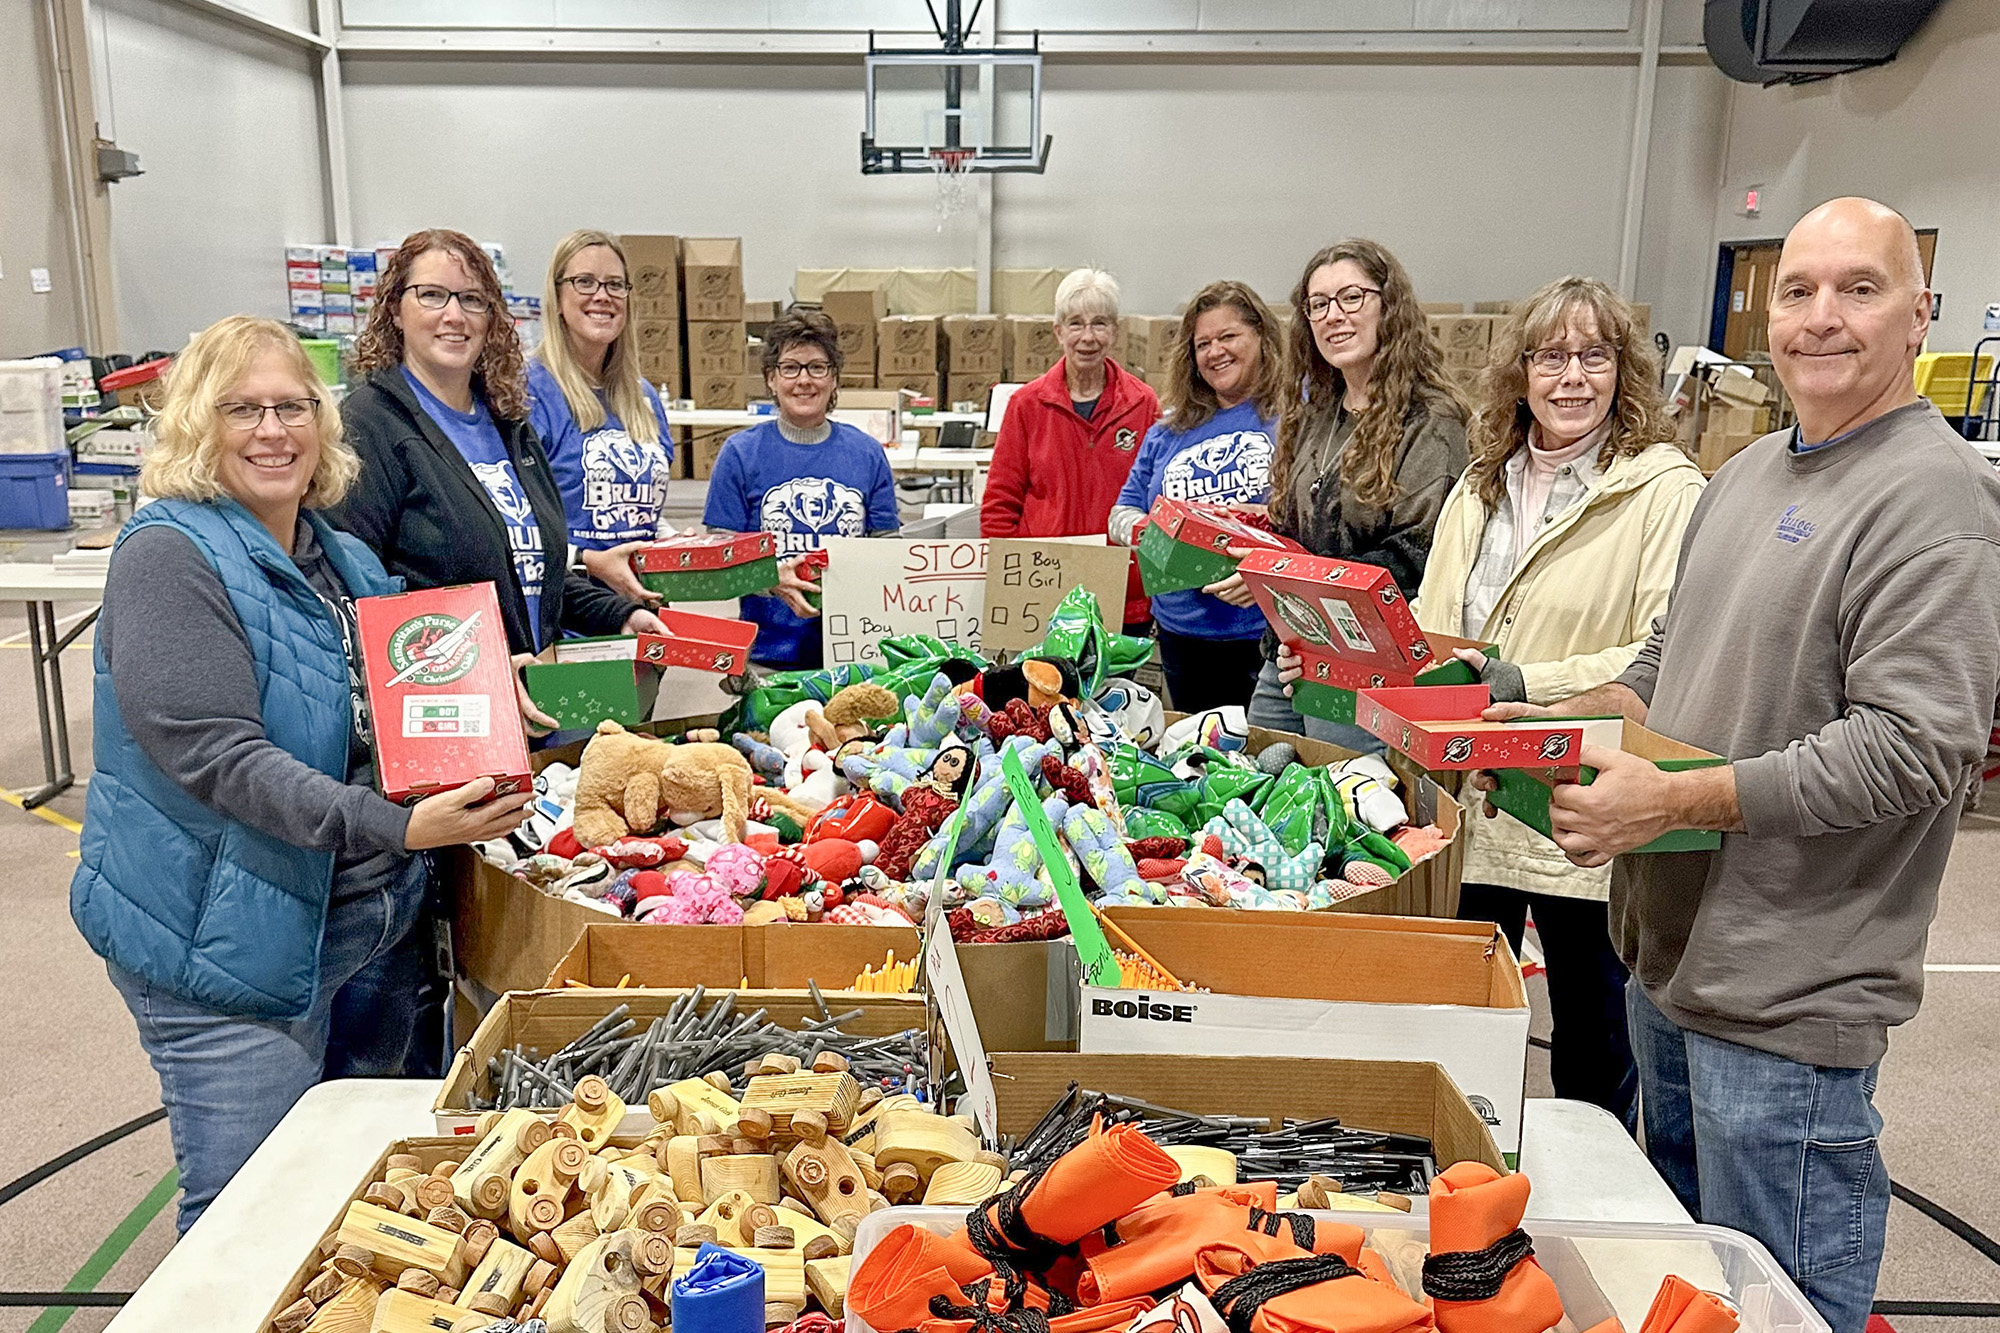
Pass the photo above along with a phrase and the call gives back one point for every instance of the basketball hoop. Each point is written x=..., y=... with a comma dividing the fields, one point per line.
x=954, y=179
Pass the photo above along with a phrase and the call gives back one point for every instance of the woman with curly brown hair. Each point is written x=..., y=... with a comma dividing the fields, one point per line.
x=454, y=485
x=1559, y=547
x=1371, y=439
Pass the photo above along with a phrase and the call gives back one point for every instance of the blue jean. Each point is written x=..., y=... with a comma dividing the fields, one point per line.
x=1782, y=1151
x=227, y=1080
x=1271, y=708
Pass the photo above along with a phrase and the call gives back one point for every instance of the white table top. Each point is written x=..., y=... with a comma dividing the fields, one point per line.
x=930, y=458
x=228, y=1272
x=28, y=581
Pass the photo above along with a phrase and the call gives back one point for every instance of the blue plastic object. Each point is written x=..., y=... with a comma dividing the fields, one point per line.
x=722, y=1293
x=34, y=490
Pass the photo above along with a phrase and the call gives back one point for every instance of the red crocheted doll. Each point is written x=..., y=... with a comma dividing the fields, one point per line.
x=927, y=804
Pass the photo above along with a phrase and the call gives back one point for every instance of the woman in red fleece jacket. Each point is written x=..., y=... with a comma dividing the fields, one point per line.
x=1069, y=438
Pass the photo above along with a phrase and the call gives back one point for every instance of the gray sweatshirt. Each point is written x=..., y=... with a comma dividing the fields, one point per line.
x=187, y=689
x=1835, y=632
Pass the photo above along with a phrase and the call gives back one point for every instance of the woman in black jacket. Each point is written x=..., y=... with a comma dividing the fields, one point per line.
x=454, y=486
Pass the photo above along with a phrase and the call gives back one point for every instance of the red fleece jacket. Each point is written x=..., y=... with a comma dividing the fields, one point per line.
x=1055, y=474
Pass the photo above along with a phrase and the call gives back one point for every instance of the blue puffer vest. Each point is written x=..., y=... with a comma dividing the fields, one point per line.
x=199, y=904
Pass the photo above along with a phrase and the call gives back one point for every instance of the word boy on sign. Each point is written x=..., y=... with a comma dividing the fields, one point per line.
x=875, y=588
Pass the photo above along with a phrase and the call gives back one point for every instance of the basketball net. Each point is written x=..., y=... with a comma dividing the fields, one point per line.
x=953, y=167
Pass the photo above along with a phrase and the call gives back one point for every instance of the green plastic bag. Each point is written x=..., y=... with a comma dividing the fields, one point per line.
x=1141, y=822
x=1301, y=806
x=1228, y=782
x=1138, y=779
x=1077, y=635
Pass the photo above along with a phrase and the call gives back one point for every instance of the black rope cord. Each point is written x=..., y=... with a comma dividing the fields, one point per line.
x=1182, y=1190
x=1475, y=1275
x=983, y=1318
x=1239, y=1299
x=1304, y=1229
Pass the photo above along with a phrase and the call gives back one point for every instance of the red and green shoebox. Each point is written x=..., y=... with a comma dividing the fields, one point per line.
x=709, y=567
x=441, y=692
x=1186, y=545
x=584, y=682
x=1441, y=729
x=1352, y=630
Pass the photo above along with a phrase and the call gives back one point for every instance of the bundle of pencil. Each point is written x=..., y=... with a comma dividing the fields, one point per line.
x=892, y=978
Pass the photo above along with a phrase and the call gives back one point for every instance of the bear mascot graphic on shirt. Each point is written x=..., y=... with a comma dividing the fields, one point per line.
x=622, y=482
x=508, y=498
x=1223, y=469
x=807, y=510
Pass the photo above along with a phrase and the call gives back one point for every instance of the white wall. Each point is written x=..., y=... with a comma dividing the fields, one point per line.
x=34, y=216
x=226, y=128
x=1919, y=134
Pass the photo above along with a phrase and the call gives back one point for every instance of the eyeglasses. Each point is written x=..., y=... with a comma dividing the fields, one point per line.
x=812, y=370
x=1550, y=362
x=249, y=416
x=587, y=284
x=437, y=298
x=1097, y=324
x=1349, y=299
x=1225, y=341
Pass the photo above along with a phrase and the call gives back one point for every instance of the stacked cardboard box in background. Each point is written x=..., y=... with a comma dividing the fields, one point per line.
x=711, y=282
x=1464, y=339
x=906, y=354
x=1737, y=415
x=332, y=288
x=975, y=354
x=695, y=451
x=653, y=263
x=855, y=315
x=1029, y=346
x=1149, y=346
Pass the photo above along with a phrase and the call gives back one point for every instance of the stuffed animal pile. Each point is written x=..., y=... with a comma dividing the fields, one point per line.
x=834, y=799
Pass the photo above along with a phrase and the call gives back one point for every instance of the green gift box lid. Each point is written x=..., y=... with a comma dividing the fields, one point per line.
x=1524, y=792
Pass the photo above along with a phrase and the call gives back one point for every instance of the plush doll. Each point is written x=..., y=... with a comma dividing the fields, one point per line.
x=984, y=808
x=856, y=710
x=1015, y=874
x=695, y=900
x=927, y=804
x=737, y=869
x=855, y=816
x=1097, y=845
x=618, y=785
x=1249, y=840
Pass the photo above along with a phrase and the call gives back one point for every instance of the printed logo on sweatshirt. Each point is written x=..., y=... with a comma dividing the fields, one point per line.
x=1792, y=528
x=1223, y=469
x=524, y=535
x=624, y=484
x=805, y=511
x=1127, y=439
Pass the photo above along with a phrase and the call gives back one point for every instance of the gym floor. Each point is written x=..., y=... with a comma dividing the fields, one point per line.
x=72, y=1067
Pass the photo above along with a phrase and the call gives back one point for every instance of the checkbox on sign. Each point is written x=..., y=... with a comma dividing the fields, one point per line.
x=948, y=630
x=837, y=626
x=844, y=652
x=1011, y=579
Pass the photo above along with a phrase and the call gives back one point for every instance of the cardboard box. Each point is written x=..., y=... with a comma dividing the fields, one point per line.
x=857, y=380
x=1493, y=308
x=1727, y=418
x=1739, y=386
x=1330, y=687
x=974, y=343
x=701, y=643
x=588, y=681
x=703, y=447
x=667, y=379
x=1184, y=545
x=854, y=315
x=1149, y=342
x=1464, y=333
x=712, y=277
x=546, y=1020
x=968, y=389
x=1342, y=607
x=717, y=348
x=708, y=567
x=653, y=264
x=1442, y=307
x=1715, y=449
x=922, y=386
x=906, y=345
x=1397, y=1096
x=778, y=957
x=755, y=389
x=657, y=341
x=1524, y=793
x=441, y=692
x=719, y=391
x=1030, y=346
x=762, y=312
x=1440, y=728
x=1325, y=984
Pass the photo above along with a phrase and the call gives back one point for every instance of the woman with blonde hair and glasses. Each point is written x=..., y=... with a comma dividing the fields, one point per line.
x=1371, y=440
x=1559, y=547
x=1213, y=445
x=601, y=424
x=454, y=486
x=250, y=893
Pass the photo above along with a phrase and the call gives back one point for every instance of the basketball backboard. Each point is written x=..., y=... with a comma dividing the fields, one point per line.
x=986, y=104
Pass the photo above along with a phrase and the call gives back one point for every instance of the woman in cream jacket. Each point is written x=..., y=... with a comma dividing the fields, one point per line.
x=1558, y=546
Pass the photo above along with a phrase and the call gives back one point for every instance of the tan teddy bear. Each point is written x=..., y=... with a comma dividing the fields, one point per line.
x=857, y=710
x=627, y=783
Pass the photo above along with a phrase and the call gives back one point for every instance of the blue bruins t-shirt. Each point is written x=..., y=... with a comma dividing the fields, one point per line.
x=805, y=493
x=1224, y=461
x=613, y=487
x=478, y=442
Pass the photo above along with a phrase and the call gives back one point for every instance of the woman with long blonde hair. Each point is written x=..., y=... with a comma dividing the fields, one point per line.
x=1559, y=547
x=252, y=896
x=1371, y=440
x=602, y=425
x=1212, y=445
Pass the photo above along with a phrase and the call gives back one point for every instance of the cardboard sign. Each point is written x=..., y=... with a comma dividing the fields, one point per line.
x=876, y=587
x=1026, y=578
x=441, y=692
x=945, y=985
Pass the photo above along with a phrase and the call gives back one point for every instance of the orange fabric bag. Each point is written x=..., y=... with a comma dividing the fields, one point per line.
x=1104, y=1177
x=1473, y=1207
x=1350, y=1303
x=1682, y=1307
x=893, y=1286
x=1156, y=1243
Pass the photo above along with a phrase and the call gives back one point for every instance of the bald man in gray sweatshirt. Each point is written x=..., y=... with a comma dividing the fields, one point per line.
x=1834, y=632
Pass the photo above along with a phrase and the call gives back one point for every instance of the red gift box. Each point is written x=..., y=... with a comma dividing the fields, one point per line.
x=1340, y=608
x=1213, y=527
x=714, y=550
x=705, y=643
x=1439, y=726
x=441, y=692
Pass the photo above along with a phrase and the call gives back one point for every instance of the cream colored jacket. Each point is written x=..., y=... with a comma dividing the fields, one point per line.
x=1573, y=616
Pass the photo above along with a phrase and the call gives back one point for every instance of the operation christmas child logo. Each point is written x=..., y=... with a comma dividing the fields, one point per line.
x=433, y=649
x=1298, y=613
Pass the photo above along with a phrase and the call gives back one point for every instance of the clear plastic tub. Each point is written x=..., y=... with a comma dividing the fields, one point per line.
x=31, y=420
x=1600, y=1268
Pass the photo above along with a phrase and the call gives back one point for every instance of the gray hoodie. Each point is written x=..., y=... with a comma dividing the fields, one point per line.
x=1835, y=631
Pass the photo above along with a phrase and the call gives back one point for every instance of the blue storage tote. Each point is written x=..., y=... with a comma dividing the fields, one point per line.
x=34, y=490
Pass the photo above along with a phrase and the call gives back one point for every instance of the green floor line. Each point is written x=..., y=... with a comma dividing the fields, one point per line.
x=112, y=1250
